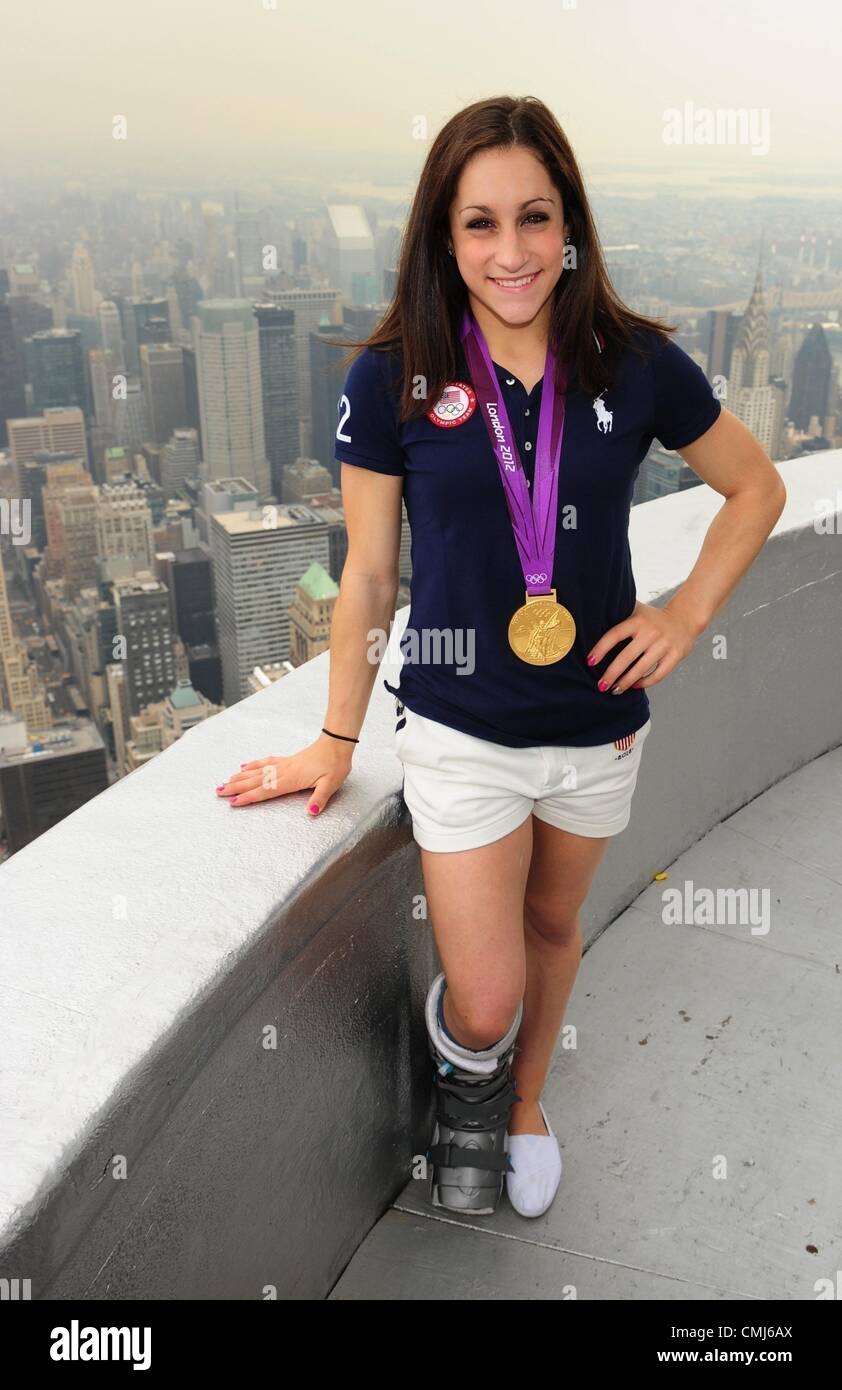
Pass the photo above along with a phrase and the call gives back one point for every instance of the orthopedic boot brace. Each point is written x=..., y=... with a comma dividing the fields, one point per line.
x=475, y=1091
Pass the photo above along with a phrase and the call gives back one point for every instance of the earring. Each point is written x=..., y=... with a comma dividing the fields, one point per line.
x=450, y=250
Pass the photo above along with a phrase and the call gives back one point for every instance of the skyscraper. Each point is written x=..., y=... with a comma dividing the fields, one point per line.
x=57, y=370
x=279, y=387
x=112, y=334
x=227, y=344
x=147, y=321
x=12, y=398
x=256, y=569
x=143, y=620
x=751, y=395
x=314, y=309
x=82, y=273
x=811, y=379
x=179, y=458
x=350, y=253
x=162, y=370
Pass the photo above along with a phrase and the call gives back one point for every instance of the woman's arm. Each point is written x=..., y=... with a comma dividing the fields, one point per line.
x=730, y=460
x=367, y=592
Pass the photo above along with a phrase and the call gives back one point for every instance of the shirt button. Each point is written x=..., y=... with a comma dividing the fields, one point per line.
x=527, y=445
x=510, y=381
x=526, y=412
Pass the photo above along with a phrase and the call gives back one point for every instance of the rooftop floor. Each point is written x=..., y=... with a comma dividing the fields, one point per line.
x=700, y=1115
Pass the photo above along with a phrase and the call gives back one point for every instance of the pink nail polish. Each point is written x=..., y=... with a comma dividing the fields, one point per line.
x=313, y=808
x=591, y=660
x=602, y=685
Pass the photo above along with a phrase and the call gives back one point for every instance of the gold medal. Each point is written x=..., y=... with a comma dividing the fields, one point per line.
x=542, y=631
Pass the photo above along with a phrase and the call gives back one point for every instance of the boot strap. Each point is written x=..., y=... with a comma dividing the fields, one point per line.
x=452, y=1156
x=489, y=1113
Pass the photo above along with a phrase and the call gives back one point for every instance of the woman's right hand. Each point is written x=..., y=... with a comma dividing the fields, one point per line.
x=322, y=765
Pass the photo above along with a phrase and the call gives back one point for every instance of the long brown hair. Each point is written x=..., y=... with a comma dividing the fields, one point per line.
x=425, y=315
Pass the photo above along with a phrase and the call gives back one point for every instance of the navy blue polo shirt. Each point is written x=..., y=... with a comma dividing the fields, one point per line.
x=466, y=576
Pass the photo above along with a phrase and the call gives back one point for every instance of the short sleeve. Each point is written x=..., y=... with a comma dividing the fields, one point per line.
x=684, y=405
x=367, y=429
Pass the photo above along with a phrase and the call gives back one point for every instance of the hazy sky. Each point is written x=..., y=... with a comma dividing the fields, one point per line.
x=206, y=80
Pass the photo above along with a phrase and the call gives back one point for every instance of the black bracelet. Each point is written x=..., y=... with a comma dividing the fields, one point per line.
x=347, y=737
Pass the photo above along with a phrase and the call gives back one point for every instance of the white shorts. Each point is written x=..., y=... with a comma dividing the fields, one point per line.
x=463, y=792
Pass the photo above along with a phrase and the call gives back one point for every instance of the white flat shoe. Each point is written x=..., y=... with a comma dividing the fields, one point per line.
x=532, y=1181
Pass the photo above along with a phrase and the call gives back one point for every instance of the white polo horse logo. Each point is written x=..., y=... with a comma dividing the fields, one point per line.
x=604, y=418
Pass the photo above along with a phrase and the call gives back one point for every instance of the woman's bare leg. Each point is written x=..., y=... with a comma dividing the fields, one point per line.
x=505, y=919
x=560, y=876
x=475, y=903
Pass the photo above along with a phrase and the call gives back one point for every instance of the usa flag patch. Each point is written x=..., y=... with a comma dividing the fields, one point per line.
x=625, y=744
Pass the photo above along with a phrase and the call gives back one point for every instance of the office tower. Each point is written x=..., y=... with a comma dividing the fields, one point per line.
x=57, y=370
x=56, y=431
x=723, y=327
x=179, y=459
x=21, y=688
x=111, y=333
x=174, y=313
x=349, y=246
x=28, y=318
x=100, y=387
x=188, y=292
x=38, y=473
x=279, y=387
x=248, y=255
x=162, y=369
x=311, y=614
x=12, y=398
x=751, y=396
x=811, y=380
x=227, y=345
x=304, y=479
x=130, y=420
x=215, y=269
x=191, y=391
x=82, y=274
x=327, y=377
x=188, y=577
x=124, y=525
x=143, y=624
x=49, y=779
x=313, y=309
x=147, y=321
x=24, y=279
x=70, y=521
x=256, y=569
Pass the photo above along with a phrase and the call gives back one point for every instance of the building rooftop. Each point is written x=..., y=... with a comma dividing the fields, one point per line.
x=232, y=998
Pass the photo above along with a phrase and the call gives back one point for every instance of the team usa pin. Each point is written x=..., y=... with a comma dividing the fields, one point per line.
x=455, y=405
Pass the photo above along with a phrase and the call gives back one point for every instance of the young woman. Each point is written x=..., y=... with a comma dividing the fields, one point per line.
x=510, y=398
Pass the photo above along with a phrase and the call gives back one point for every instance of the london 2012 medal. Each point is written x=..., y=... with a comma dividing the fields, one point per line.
x=542, y=631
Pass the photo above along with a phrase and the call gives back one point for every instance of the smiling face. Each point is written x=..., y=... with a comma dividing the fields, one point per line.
x=507, y=230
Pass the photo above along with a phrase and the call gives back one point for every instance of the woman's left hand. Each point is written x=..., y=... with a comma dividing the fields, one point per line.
x=660, y=639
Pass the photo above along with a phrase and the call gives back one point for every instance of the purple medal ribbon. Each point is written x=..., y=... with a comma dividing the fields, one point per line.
x=534, y=523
